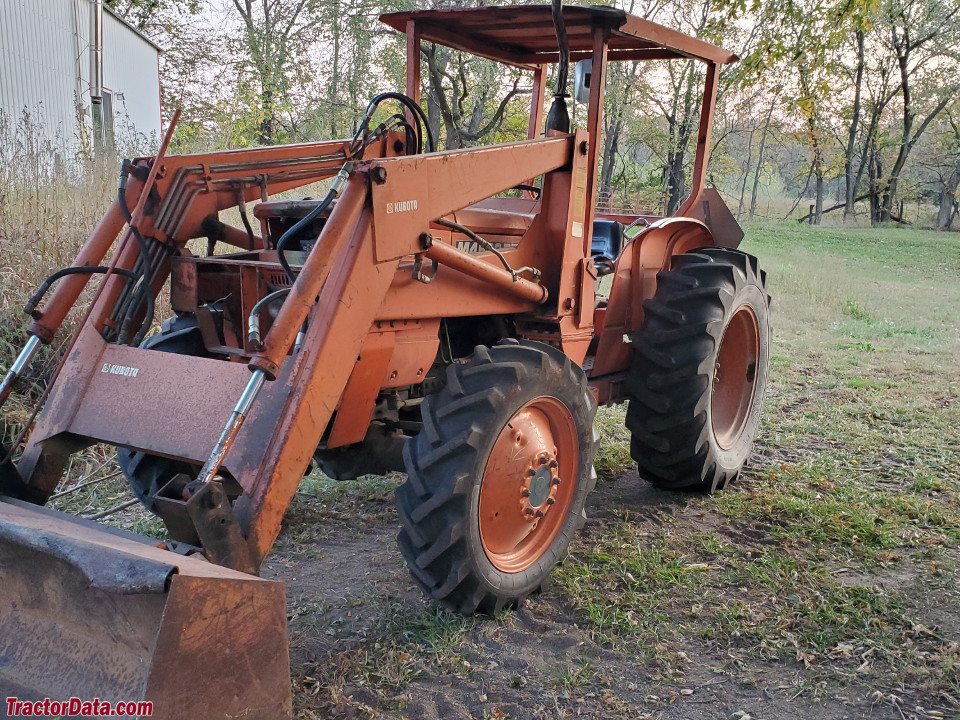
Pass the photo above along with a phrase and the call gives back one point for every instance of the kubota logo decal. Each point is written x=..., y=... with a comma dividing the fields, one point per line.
x=123, y=370
x=401, y=206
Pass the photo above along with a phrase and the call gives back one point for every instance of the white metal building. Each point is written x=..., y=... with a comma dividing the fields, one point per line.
x=49, y=63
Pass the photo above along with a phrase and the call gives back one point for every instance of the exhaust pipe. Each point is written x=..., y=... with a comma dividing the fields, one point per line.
x=96, y=70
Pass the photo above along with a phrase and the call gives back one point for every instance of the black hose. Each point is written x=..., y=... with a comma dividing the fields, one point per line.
x=145, y=294
x=302, y=223
x=249, y=229
x=31, y=306
x=563, y=70
x=485, y=244
x=423, y=125
x=414, y=141
x=146, y=268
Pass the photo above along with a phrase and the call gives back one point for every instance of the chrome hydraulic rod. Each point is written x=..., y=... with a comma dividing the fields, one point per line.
x=19, y=365
x=229, y=434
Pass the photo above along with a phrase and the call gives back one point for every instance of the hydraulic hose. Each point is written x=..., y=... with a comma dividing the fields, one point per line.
x=423, y=125
x=253, y=322
x=31, y=307
x=559, y=118
x=146, y=268
x=345, y=172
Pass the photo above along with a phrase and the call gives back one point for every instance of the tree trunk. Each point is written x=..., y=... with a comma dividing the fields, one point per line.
x=746, y=173
x=818, y=200
x=677, y=182
x=267, y=117
x=611, y=145
x=763, y=145
x=851, y=178
x=875, y=171
x=677, y=168
x=333, y=88
x=948, y=199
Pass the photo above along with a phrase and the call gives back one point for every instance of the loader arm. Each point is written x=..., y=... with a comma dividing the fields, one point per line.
x=340, y=293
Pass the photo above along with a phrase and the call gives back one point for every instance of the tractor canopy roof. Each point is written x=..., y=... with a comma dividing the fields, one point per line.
x=524, y=35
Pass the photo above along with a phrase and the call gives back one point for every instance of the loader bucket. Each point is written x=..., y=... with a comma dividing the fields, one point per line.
x=91, y=612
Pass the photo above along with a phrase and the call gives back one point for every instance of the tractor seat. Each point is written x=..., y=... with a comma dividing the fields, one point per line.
x=606, y=245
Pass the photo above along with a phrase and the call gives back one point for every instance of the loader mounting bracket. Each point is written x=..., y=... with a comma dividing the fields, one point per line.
x=205, y=519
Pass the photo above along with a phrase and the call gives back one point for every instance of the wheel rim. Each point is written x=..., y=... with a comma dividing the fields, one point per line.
x=528, y=484
x=735, y=377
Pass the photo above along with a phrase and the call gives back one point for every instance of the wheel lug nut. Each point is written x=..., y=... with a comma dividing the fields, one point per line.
x=551, y=501
x=525, y=493
x=553, y=463
x=529, y=511
x=531, y=472
x=543, y=460
x=556, y=481
x=539, y=513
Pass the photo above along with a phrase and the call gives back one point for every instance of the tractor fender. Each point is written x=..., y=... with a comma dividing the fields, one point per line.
x=635, y=280
x=655, y=245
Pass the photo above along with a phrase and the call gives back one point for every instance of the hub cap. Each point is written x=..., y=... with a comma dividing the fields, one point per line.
x=528, y=485
x=735, y=377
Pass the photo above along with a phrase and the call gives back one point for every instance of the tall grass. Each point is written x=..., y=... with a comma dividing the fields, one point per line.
x=53, y=191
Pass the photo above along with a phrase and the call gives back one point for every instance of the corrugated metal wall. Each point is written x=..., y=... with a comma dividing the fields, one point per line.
x=131, y=71
x=38, y=65
x=45, y=68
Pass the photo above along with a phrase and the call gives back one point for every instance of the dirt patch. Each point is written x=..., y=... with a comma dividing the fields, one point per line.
x=365, y=643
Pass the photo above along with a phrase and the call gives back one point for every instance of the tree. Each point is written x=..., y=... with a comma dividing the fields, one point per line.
x=149, y=16
x=276, y=38
x=923, y=34
x=462, y=95
x=949, y=175
x=623, y=79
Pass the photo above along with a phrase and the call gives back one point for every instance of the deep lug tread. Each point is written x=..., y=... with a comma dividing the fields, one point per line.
x=434, y=503
x=671, y=379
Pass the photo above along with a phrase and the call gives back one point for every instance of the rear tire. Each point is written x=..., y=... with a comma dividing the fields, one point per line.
x=700, y=369
x=498, y=477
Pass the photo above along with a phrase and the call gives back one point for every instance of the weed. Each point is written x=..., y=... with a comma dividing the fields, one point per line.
x=576, y=675
x=854, y=310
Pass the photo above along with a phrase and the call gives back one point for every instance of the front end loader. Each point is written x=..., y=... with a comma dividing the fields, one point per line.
x=435, y=313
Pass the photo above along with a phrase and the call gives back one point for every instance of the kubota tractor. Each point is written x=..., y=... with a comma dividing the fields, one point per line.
x=435, y=312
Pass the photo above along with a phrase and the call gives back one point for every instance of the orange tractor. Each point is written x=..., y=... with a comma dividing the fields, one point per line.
x=435, y=312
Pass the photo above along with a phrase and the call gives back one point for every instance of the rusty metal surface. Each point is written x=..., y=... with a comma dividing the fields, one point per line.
x=107, y=561
x=304, y=294
x=360, y=394
x=175, y=405
x=449, y=256
x=221, y=651
x=88, y=611
x=344, y=314
x=714, y=213
x=525, y=35
x=420, y=188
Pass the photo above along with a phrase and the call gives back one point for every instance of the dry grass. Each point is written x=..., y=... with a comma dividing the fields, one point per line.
x=50, y=201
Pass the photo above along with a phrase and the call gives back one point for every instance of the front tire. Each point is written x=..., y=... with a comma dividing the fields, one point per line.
x=146, y=473
x=498, y=477
x=700, y=369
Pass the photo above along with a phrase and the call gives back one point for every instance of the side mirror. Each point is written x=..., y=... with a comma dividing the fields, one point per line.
x=582, y=73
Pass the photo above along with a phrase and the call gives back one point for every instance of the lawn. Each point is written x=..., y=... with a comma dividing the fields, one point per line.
x=823, y=584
